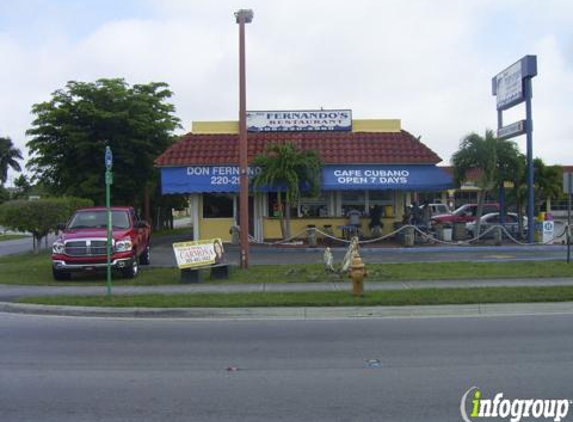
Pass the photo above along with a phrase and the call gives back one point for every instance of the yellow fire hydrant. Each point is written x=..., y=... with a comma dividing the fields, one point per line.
x=357, y=274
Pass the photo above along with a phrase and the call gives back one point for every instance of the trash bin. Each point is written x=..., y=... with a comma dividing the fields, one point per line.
x=447, y=233
x=460, y=232
x=234, y=235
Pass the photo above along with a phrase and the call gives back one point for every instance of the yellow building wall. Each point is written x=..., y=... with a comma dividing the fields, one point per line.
x=210, y=228
x=358, y=125
x=272, y=226
x=376, y=125
x=225, y=127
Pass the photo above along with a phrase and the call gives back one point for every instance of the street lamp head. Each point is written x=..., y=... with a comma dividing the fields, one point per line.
x=246, y=15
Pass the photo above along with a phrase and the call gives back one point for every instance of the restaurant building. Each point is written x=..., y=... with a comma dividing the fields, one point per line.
x=367, y=163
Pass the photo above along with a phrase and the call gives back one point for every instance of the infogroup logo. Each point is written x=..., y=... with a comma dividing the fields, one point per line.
x=512, y=409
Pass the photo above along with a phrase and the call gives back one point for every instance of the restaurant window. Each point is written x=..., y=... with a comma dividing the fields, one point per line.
x=353, y=199
x=382, y=201
x=275, y=209
x=217, y=205
x=312, y=206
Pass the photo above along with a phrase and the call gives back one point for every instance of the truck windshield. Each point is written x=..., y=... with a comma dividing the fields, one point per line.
x=97, y=220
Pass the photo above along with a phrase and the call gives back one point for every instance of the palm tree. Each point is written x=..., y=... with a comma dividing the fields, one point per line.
x=286, y=168
x=8, y=156
x=548, y=181
x=510, y=165
x=479, y=153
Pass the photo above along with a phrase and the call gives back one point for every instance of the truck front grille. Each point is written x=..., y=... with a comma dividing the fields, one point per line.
x=86, y=247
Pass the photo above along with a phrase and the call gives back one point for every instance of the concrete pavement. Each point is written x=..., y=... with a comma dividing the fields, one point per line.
x=10, y=292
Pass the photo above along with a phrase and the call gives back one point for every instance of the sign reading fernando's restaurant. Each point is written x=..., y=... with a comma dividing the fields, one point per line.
x=300, y=120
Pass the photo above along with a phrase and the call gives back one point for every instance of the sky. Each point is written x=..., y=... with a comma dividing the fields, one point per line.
x=428, y=63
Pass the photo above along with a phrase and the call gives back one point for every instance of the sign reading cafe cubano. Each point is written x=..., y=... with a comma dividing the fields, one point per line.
x=301, y=120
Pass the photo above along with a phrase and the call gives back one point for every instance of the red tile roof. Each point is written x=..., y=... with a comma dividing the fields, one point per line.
x=334, y=148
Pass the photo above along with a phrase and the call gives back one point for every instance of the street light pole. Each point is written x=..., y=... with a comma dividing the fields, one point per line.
x=243, y=16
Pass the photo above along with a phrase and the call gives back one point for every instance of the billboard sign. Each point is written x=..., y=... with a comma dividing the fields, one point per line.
x=299, y=120
x=509, y=87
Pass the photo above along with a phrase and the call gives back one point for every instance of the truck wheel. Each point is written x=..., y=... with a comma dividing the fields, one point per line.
x=132, y=270
x=145, y=256
x=61, y=275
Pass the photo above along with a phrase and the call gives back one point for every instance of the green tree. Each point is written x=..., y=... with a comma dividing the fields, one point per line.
x=23, y=187
x=286, y=168
x=4, y=194
x=9, y=156
x=71, y=130
x=478, y=152
x=39, y=217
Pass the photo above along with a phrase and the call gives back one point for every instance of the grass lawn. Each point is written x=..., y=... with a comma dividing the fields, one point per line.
x=379, y=298
x=36, y=269
x=4, y=237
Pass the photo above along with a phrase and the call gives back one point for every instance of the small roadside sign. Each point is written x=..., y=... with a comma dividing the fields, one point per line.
x=108, y=178
x=108, y=158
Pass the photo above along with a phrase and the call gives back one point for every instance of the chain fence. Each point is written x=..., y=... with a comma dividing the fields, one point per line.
x=427, y=237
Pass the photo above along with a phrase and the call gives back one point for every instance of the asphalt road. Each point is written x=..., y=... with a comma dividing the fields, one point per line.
x=67, y=369
x=162, y=254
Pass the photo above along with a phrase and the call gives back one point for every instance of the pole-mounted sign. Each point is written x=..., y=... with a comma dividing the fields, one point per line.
x=108, y=182
x=512, y=86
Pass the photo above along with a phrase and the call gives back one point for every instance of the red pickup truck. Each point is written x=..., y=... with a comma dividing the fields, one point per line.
x=82, y=244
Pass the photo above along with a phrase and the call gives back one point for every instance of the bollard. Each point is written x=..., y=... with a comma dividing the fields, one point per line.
x=408, y=237
x=311, y=235
x=497, y=236
x=357, y=275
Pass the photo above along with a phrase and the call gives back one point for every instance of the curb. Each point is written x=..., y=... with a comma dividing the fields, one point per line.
x=299, y=313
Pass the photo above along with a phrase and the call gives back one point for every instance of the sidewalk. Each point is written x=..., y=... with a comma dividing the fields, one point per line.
x=10, y=292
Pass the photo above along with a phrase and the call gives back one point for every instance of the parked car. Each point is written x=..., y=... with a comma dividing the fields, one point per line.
x=493, y=219
x=464, y=214
x=438, y=209
x=82, y=245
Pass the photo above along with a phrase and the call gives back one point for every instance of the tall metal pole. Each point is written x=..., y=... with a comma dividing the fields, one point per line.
x=243, y=16
x=569, y=180
x=501, y=186
x=108, y=182
x=529, y=135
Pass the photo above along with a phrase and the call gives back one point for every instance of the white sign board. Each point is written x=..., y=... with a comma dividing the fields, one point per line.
x=512, y=130
x=509, y=86
x=548, y=231
x=199, y=253
x=299, y=120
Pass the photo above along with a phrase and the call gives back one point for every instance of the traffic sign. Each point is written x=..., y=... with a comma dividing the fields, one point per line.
x=108, y=158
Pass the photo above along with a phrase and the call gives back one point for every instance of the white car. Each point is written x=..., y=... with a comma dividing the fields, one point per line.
x=493, y=219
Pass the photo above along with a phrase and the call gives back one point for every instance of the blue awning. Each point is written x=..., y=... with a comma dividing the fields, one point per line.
x=386, y=177
x=203, y=179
